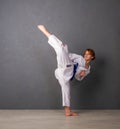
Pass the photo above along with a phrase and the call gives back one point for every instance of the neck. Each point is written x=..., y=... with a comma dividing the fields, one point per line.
x=87, y=63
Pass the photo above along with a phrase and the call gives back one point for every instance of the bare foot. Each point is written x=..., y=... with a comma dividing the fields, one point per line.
x=74, y=114
x=68, y=112
x=41, y=27
x=71, y=114
x=44, y=30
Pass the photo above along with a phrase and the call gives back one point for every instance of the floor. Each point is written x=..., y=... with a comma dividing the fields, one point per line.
x=55, y=119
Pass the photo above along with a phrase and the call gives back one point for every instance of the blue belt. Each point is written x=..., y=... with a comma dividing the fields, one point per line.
x=74, y=71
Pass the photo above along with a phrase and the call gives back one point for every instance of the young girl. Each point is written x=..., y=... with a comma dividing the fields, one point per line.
x=69, y=66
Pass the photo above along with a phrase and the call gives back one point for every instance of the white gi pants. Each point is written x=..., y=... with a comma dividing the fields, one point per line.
x=64, y=72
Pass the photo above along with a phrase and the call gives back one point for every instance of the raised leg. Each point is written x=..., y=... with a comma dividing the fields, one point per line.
x=61, y=50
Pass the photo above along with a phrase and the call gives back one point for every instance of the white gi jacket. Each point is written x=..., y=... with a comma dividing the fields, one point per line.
x=81, y=65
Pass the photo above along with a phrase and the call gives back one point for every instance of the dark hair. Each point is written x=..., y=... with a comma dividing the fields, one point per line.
x=91, y=51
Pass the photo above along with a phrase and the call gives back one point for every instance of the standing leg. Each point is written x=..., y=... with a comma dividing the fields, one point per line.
x=65, y=87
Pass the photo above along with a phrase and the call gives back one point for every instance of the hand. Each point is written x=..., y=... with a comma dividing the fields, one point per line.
x=82, y=73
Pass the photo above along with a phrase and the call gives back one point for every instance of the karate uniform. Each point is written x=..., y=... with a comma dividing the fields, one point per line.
x=65, y=67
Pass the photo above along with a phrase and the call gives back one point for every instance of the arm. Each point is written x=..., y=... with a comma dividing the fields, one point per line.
x=44, y=30
x=74, y=56
x=82, y=74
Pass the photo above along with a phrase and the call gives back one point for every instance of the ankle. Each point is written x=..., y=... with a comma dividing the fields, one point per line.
x=67, y=109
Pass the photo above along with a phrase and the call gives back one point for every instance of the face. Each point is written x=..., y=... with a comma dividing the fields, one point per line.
x=88, y=56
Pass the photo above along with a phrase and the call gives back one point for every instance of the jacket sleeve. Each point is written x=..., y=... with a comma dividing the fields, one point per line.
x=74, y=56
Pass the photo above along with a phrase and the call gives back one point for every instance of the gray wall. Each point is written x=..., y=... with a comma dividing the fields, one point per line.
x=27, y=62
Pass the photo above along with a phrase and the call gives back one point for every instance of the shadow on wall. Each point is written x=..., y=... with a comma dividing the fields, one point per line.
x=96, y=79
x=88, y=90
